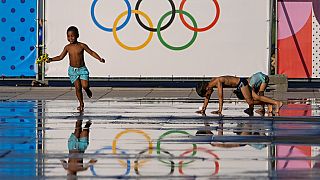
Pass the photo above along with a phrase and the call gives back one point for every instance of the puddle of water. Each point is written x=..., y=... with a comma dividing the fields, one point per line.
x=157, y=139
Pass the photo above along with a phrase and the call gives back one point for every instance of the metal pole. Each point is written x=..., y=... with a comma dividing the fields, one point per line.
x=272, y=34
x=276, y=36
x=37, y=40
x=43, y=37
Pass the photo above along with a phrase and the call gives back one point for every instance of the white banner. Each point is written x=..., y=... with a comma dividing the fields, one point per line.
x=233, y=37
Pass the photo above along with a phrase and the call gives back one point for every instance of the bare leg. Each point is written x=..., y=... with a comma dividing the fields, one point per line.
x=278, y=106
x=77, y=85
x=263, y=99
x=85, y=132
x=248, y=97
x=78, y=128
x=86, y=87
x=268, y=100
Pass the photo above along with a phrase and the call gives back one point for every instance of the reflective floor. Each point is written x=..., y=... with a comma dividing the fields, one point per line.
x=157, y=139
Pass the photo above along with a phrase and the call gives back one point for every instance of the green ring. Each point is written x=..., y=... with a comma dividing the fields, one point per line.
x=173, y=47
x=194, y=152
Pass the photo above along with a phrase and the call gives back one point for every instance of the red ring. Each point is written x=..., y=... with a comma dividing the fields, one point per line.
x=204, y=28
x=216, y=163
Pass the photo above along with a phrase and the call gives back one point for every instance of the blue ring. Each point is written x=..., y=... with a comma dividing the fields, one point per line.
x=110, y=29
x=110, y=148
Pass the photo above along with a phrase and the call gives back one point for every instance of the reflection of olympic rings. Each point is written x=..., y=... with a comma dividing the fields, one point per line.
x=140, y=158
x=159, y=27
x=175, y=132
x=216, y=163
x=110, y=148
x=116, y=36
x=200, y=29
x=173, y=10
x=114, y=143
x=109, y=29
x=136, y=162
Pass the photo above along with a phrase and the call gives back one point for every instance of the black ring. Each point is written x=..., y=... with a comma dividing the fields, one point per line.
x=155, y=29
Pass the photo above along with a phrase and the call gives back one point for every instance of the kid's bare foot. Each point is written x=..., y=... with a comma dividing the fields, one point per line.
x=80, y=108
x=216, y=112
x=88, y=124
x=89, y=93
x=261, y=111
x=270, y=108
x=278, y=106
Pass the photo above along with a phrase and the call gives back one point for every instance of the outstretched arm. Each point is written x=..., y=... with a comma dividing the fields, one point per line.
x=262, y=88
x=92, y=53
x=60, y=57
x=218, y=84
x=206, y=101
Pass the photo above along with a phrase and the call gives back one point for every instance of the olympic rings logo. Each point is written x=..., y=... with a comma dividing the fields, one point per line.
x=194, y=27
x=141, y=159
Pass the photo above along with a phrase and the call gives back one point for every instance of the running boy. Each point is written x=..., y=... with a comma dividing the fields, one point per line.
x=78, y=72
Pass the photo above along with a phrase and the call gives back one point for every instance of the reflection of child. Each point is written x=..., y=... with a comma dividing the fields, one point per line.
x=77, y=144
x=78, y=72
x=241, y=130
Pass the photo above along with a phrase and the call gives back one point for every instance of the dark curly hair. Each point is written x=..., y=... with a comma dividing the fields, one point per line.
x=73, y=29
x=202, y=88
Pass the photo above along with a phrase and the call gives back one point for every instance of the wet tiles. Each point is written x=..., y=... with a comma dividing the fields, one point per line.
x=157, y=138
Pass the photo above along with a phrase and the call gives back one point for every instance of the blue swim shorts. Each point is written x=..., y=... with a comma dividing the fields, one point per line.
x=75, y=73
x=79, y=144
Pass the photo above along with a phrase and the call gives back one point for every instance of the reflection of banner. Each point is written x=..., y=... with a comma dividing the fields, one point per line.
x=127, y=170
x=18, y=38
x=145, y=155
x=166, y=43
x=194, y=152
x=292, y=153
x=18, y=139
x=215, y=157
x=299, y=38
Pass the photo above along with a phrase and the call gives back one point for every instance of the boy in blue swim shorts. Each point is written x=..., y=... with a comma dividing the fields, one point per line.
x=77, y=71
x=258, y=83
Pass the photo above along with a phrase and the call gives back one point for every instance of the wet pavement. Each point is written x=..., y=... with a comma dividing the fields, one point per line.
x=155, y=134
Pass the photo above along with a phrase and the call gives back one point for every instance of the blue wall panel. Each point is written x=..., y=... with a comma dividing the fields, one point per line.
x=18, y=35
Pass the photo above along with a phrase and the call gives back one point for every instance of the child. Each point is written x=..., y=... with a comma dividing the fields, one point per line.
x=77, y=144
x=258, y=83
x=78, y=72
x=205, y=89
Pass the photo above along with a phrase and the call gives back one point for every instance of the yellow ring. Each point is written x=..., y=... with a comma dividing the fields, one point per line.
x=114, y=31
x=114, y=143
